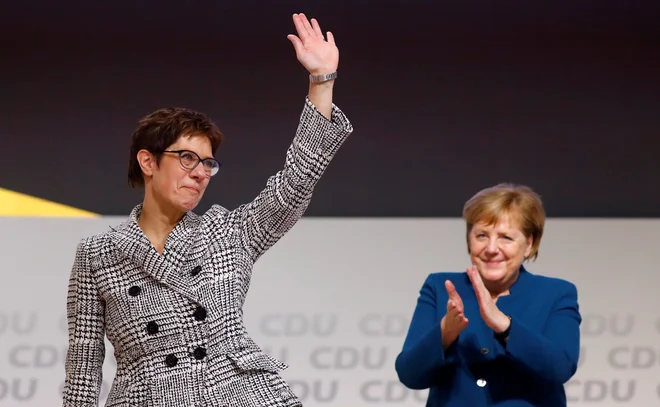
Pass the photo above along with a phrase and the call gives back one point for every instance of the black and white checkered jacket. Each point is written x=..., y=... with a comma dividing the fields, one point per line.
x=175, y=320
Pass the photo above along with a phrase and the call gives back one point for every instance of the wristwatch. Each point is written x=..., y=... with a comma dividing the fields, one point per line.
x=323, y=77
x=505, y=334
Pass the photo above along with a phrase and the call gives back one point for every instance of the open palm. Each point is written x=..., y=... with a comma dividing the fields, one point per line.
x=490, y=313
x=454, y=321
x=313, y=52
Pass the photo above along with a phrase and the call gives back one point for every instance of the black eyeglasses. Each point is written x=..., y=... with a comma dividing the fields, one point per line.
x=190, y=160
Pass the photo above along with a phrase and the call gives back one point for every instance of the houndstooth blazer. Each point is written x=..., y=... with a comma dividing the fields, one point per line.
x=175, y=320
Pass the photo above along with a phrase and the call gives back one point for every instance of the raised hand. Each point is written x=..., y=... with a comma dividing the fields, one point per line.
x=317, y=55
x=492, y=316
x=454, y=321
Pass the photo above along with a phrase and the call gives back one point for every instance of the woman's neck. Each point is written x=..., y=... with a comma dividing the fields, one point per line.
x=157, y=222
x=499, y=289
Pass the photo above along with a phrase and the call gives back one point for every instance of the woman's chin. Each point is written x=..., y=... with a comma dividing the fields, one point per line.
x=186, y=205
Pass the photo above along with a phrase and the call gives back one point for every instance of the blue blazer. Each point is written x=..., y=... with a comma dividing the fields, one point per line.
x=530, y=369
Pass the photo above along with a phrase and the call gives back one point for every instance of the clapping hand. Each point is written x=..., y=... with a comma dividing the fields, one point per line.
x=317, y=55
x=492, y=316
x=454, y=322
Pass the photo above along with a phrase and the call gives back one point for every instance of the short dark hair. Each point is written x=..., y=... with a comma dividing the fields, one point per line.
x=162, y=128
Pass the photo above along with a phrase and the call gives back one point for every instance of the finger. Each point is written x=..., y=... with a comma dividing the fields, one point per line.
x=476, y=275
x=300, y=26
x=468, y=271
x=297, y=43
x=483, y=296
x=458, y=301
x=306, y=24
x=453, y=294
x=477, y=284
x=317, y=28
x=455, y=305
x=330, y=38
x=449, y=286
x=452, y=312
x=459, y=308
x=478, y=288
x=451, y=289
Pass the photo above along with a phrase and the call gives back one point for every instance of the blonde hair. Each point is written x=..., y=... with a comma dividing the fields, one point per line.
x=520, y=202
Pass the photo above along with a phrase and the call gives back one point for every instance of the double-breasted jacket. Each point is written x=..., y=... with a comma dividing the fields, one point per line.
x=175, y=319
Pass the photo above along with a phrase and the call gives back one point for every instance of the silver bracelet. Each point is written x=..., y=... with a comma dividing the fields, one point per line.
x=323, y=77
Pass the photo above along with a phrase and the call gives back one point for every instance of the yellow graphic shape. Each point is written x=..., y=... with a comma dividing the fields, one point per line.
x=17, y=204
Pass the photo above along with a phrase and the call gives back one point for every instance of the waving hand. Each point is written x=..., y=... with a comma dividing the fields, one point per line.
x=316, y=54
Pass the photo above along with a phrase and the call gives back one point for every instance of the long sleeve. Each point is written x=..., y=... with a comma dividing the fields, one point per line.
x=422, y=359
x=288, y=193
x=552, y=355
x=86, y=332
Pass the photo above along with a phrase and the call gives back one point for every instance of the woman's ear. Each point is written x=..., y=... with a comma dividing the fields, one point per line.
x=147, y=162
x=528, y=249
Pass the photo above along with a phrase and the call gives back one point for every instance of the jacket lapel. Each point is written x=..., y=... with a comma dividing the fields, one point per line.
x=177, y=254
x=129, y=239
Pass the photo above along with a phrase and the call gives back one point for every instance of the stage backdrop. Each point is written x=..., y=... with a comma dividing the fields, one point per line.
x=334, y=297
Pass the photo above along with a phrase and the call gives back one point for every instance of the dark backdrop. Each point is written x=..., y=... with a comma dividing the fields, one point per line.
x=446, y=98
